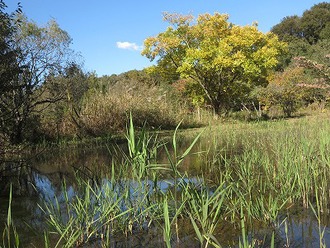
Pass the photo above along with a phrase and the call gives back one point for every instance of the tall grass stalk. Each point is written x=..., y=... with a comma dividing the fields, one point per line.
x=251, y=175
x=204, y=210
x=10, y=237
x=317, y=213
x=167, y=225
x=175, y=161
x=85, y=216
x=244, y=241
x=169, y=219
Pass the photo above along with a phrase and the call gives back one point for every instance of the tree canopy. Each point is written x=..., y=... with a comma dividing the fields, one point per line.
x=312, y=26
x=9, y=67
x=38, y=53
x=225, y=60
x=304, y=32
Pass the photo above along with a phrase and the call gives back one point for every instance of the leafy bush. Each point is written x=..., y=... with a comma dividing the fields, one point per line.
x=289, y=90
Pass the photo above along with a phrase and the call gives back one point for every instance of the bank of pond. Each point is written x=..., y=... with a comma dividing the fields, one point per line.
x=261, y=184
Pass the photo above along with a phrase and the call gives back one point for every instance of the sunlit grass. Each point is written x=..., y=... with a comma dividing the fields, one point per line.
x=251, y=176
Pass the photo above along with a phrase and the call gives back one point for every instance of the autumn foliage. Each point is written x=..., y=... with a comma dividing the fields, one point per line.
x=224, y=60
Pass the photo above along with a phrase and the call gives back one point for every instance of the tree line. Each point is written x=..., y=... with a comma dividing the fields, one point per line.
x=227, y=66
x=201, y=63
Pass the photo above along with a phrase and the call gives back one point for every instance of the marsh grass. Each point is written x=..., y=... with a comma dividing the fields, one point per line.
x=253, y=176
x=204, y=209
x=153, y=107
x=10, y=237
x=252, y=173
x=272, y=165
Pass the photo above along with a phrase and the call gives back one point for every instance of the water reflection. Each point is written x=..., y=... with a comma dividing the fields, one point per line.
x=303, y=231
x=42, y=178
x=20, y=175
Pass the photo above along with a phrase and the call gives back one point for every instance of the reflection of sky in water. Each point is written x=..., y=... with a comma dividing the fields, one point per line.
x=44, y=186
x=303, y=230
x=163, y=185
x=48, y=192
x=137, y=189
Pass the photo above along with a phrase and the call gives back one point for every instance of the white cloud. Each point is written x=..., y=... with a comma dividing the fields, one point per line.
x=128, y=45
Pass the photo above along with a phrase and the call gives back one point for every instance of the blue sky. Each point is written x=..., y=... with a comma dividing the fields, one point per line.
x=109, y=34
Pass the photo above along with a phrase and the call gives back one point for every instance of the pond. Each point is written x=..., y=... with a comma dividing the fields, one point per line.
x=284, y=221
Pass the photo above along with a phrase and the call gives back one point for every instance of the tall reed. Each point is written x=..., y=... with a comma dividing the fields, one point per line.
x=251, y=177
x=10, y=237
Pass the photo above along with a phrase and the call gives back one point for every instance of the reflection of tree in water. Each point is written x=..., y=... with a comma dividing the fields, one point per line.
x=21, y=172
x=24, y=173
x=34, y=180
x=18, y=174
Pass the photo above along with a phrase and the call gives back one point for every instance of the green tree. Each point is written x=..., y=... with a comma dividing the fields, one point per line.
x=9, y=68
x=226, y=61
x=41, y=51
x=289, y=28
x=314, y=21
x=303, y=33
x=70, y=88
x=312, y=26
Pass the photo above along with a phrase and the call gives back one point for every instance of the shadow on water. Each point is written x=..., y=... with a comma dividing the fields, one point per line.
x=42, y=177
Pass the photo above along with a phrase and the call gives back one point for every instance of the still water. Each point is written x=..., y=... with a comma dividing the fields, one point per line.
x=41, y=177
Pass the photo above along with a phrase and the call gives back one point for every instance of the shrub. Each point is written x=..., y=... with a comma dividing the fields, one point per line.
x=289, y=90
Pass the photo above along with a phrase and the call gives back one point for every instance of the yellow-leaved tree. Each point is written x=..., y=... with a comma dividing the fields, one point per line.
x=225, y=60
